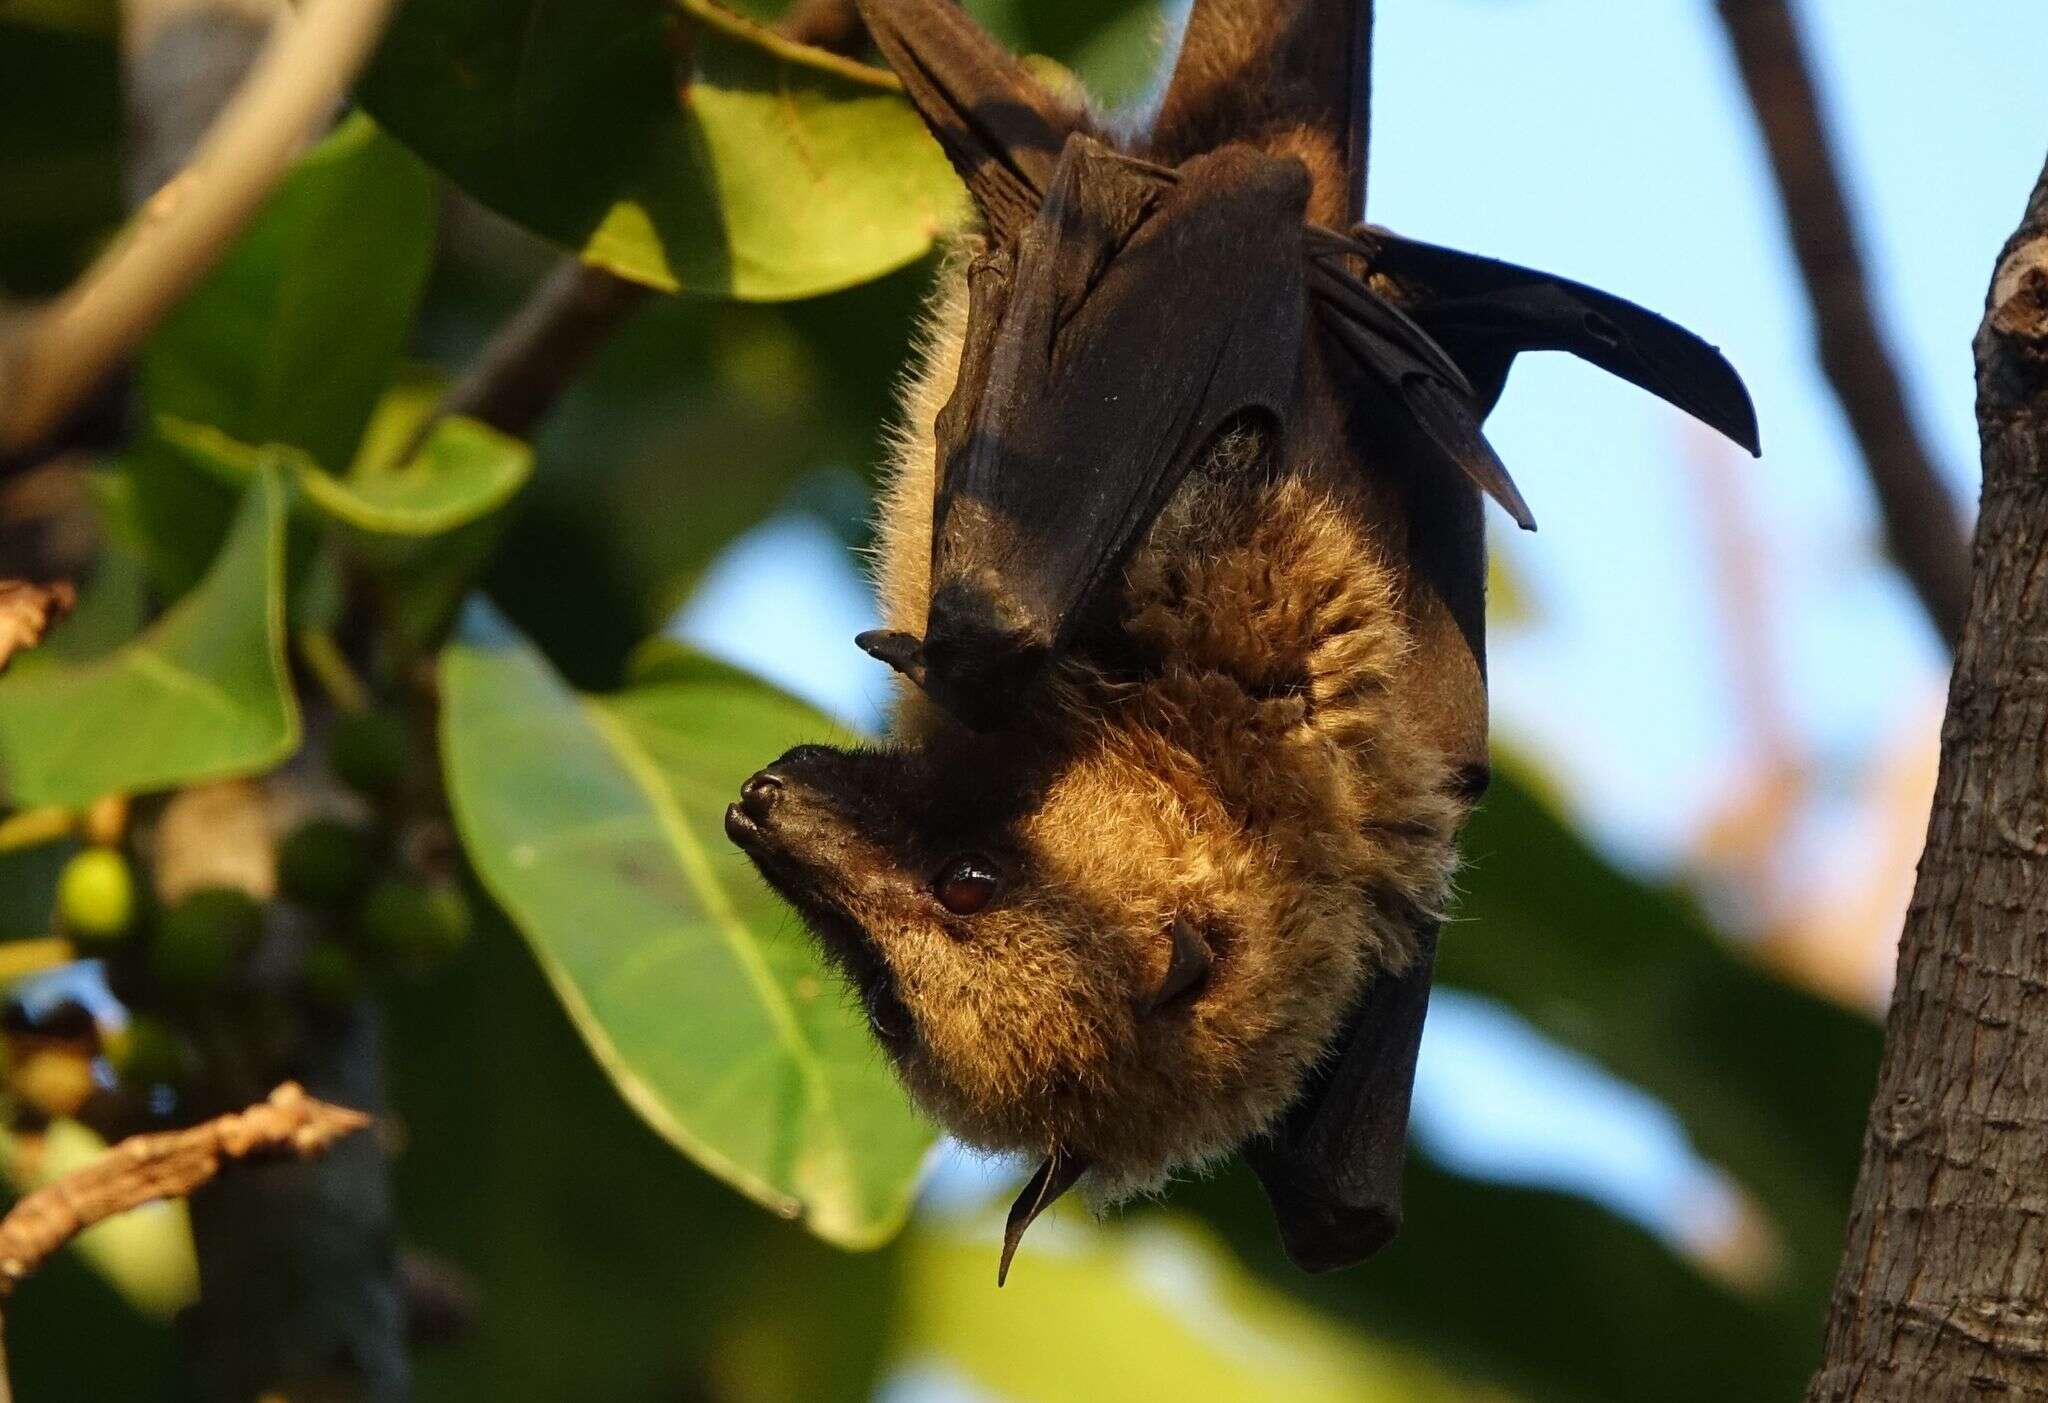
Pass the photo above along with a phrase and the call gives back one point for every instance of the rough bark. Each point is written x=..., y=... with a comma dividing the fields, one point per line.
x=1922, y=526
x=1943, y=1291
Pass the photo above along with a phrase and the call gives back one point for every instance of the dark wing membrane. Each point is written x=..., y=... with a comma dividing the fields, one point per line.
x=1147, y=309
x=1421, y=375
x=1001, y=129
x=1486, y=312
x=1333, y=1168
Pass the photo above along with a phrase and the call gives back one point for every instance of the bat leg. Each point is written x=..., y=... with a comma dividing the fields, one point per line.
x=1333, y=1168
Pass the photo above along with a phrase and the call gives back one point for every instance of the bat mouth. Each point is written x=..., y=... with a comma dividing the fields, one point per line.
x=840, y=935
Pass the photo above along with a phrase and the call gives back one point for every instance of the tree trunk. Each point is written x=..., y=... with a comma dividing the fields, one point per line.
x=1943, y=1291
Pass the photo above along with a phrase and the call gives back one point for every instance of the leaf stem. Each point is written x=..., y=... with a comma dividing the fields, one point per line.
x=330, y=667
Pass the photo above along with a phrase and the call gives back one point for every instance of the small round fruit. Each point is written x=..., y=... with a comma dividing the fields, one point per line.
x=198, y=940
x=96, y=894
x=323, y=862
x=56, y=1081
x=331, y=976
x=452, y=919
x=369, y=751
x=413, y=925
x=148, y=1052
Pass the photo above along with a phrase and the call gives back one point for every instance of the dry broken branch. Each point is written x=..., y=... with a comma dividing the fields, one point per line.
x=145, y=1168
x=27, y=612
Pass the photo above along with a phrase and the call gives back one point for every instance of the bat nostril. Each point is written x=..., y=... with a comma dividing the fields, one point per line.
x=759, y=795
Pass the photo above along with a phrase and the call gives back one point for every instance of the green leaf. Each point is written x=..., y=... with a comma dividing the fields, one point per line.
x=295, y=335
x=464, y=470
x=202, y=694
x=525, y=1169
x=60, y=141
x=1545, y=1294
x=95, y=17
x=597, y=823
x=676, y=144
x=1100, y=1315
x=1772, y=1082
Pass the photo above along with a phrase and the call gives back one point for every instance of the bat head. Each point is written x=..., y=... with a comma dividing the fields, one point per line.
x=1125, y=929
x=1020, y=927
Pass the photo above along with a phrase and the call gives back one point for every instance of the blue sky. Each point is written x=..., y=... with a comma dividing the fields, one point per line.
x=1610, y=141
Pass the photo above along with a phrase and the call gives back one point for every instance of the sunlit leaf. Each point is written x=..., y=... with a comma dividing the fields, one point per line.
x=203, y=693
x=461, y=471
x=1139, y=1310
x=597, y=823
x=677, y=144
x=298, y=331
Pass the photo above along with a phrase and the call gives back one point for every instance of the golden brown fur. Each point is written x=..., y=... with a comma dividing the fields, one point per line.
x=1256, y=777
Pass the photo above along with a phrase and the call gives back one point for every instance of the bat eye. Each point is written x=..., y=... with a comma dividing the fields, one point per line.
x=965, y=885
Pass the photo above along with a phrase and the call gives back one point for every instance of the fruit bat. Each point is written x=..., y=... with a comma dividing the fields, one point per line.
x=1182, y=565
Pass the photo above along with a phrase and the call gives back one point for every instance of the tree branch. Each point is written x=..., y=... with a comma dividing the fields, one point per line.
x=536, y=355
x=62, y=351
x=1943, y=1290
x=1923, y=528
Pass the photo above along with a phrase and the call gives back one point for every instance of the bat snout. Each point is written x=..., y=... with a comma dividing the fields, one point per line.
x=787, y=807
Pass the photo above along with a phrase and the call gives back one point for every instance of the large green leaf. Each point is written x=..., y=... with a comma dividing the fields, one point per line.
x=1771, y=1082
x=677, y=144
x=597, y=823
x=298, y=331
x=203, y=693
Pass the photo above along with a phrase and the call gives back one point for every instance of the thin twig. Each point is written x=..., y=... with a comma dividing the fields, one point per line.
x=544, y=347
x=833, y=25
x=171, y=1164
x=62, y=351
x=1923, y=527
x=28, y=611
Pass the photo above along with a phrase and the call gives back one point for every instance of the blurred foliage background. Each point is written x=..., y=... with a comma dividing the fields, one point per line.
x=436, y=672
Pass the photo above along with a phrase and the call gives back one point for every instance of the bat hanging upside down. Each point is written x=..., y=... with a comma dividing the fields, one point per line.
x=1182, y=565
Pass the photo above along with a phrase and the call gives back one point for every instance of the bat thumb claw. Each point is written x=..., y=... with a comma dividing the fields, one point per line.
x=902, y=651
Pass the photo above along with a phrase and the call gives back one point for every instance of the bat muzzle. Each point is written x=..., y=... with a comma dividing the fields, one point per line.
x=792, y=820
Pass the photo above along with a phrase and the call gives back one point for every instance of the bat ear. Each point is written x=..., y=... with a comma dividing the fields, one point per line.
x=1060, y=1172
x=1000, y=127
x=1187, y=969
